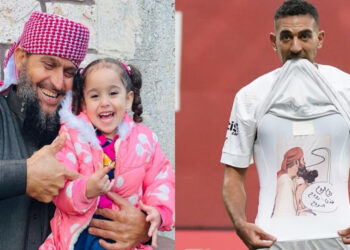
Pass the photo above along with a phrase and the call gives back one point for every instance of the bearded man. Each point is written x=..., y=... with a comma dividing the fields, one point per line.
x=285, y=201
x=43, y=63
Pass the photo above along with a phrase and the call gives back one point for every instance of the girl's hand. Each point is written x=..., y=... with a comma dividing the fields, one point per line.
x=153, y=217
x=99, y=183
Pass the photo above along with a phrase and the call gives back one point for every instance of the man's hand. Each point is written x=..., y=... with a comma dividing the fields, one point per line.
x=45, y=175
x=127, y=226
x=234, y=196
x=345, y=235
x=253, y=236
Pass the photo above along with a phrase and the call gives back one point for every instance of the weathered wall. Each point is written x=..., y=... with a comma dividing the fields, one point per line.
x=140, y=32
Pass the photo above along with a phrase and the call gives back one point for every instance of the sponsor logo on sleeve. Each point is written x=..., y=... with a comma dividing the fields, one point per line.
x=233, y=127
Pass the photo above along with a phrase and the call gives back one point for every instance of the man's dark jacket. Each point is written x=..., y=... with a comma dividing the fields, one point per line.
x=24, y=222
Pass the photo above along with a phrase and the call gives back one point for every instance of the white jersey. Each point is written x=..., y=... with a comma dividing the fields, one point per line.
x=296, y=106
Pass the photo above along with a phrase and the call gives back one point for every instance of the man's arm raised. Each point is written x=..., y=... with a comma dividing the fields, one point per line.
x=45, y=175
x=234, y=197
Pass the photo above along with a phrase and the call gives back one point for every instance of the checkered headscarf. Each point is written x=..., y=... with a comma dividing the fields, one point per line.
x=54, y=35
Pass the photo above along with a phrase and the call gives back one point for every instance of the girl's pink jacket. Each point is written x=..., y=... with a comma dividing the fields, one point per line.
x=142, y=172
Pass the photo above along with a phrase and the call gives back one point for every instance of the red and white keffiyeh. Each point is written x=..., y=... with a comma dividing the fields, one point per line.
x=50, y=34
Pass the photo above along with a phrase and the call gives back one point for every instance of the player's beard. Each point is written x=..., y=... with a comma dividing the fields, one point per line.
x=41, y=127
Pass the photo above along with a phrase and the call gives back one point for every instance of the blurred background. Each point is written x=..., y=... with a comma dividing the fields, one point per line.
x=224, y=46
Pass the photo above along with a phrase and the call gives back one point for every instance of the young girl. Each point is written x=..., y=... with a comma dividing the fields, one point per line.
x=100, y=130
x=307, y=178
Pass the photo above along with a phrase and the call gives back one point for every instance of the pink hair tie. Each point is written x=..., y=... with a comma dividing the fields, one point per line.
x=127, y=68
x=81, y=71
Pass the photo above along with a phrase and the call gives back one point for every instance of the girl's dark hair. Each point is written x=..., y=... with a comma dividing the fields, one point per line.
x=132, y=82
x=308, y=175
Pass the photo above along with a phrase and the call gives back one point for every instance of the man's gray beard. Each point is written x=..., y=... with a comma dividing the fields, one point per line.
x=40, y=126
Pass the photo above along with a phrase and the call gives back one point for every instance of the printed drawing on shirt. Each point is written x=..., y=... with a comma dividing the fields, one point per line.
x=303, y=177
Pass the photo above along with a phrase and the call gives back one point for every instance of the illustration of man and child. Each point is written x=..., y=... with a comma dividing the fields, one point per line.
x=292, y=180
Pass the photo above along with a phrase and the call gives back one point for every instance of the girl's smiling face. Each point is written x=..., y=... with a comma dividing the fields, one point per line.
x=105, y=99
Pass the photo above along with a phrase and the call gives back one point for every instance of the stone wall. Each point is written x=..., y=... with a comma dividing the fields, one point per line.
x=140, y=32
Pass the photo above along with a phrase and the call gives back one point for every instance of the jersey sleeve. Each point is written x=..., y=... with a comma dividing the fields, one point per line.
x=159, y=186
x=241, y=131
